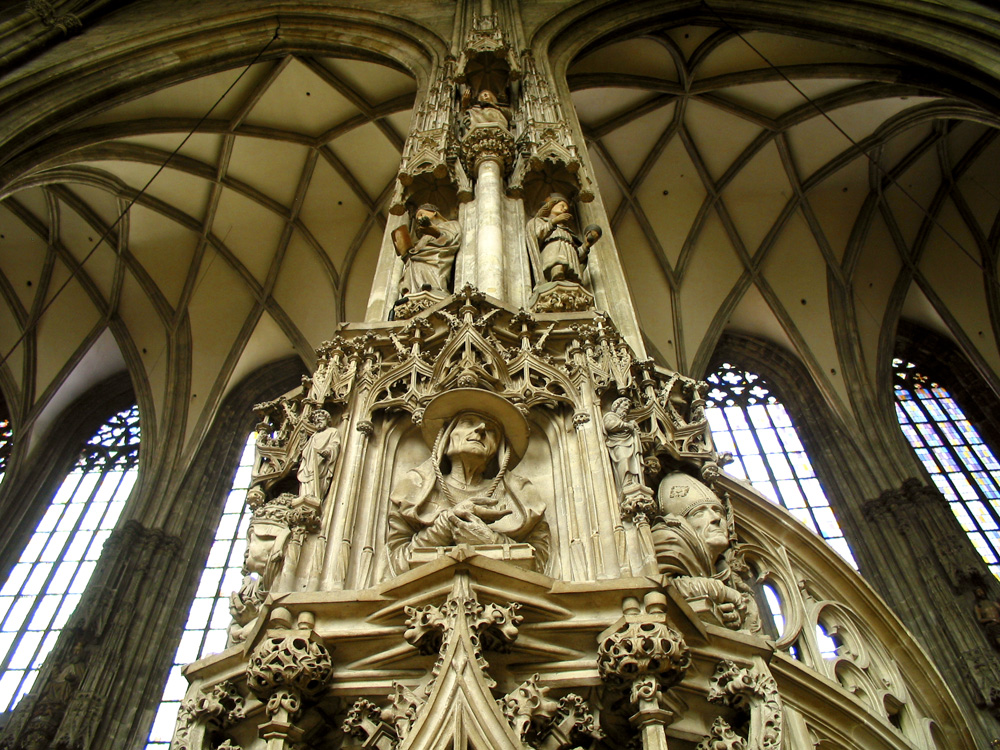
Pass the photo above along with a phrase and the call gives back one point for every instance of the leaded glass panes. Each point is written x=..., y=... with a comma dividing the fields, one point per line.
x=6, y=441
x=208, y=620
x=749, y=422
x=49, y=579
x=961, y=465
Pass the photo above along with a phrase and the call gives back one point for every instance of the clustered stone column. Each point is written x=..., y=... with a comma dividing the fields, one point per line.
x=930, y=563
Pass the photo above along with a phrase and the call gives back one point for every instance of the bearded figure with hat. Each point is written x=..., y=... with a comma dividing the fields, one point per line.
x=694, y=544
x=427, y=259
x=466, y=493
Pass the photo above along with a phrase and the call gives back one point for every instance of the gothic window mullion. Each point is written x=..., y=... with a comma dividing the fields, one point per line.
x=56, y=555
x=749, y=421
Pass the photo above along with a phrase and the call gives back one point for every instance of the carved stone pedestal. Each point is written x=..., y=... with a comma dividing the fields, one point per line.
x=560, y=297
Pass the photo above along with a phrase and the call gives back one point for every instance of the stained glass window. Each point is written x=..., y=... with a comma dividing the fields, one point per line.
x=960, y=463
x=49, y=579
x=208, y=620
x=6, y=442
x=748, y=421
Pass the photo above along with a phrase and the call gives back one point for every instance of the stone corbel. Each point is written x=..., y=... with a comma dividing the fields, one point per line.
x=646, y=656
x=288, y=669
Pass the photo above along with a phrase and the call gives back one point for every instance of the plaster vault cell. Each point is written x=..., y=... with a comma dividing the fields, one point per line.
x=770, y=160
x=249, y=246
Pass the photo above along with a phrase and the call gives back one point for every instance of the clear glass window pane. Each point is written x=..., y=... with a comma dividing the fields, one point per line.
x=207, y=629
x=752, y=421
x=49, y=566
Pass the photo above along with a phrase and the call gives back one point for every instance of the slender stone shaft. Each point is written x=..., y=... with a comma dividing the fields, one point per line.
x=489, y=243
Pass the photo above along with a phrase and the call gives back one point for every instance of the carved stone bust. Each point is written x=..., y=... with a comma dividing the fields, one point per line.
x=693, y=540
x=466, y=493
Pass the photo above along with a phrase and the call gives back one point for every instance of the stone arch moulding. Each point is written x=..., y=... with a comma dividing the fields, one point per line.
x=37, y=109
x=966, y=62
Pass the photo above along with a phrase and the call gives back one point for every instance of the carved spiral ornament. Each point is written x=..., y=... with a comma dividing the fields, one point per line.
x=639, y=649
x=289, y=661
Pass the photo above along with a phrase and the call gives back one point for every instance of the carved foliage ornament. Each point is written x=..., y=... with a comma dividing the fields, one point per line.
x=287, y=667
x=750, y=690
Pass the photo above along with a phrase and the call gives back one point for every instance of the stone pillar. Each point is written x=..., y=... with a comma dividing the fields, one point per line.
x=929, y=575
x=489, y=234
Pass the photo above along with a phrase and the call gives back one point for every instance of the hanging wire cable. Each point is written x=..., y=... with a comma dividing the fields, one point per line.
x=33, y=322
x=856, y=146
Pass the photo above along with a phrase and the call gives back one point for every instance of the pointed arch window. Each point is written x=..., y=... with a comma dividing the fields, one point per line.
x=49, y=579
x=6, y=441
x=961, y=464
x=207, y=627
x=748, y=421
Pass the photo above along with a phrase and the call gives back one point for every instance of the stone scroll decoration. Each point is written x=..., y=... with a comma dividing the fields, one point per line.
x=456, y=698
x=753, y=693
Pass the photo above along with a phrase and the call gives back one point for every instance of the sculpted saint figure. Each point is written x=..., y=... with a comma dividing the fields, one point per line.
x=691, y=541
x=988, y=615
x=267, y=538
x=466, y=493
x=319, y=456
x=427, y=258
x=621, y=435
x=486, y=110
x=557, y=252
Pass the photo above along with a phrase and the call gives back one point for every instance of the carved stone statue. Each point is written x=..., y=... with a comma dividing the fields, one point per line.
x=621, y=435
x=319, y=457
x=557, y=252
x=485, y=110
x=465, y=493
x=276, y=531
x=988, y=615
x=427, y=259
x=694, y=544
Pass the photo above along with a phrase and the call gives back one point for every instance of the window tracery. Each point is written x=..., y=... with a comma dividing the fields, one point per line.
x=960, y=463
x=207, y=626
x=748, y=421
x=49, y=579
x=6, y=442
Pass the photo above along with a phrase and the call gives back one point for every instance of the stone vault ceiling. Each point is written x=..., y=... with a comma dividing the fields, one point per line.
x=737, y=205
x=259, y=236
